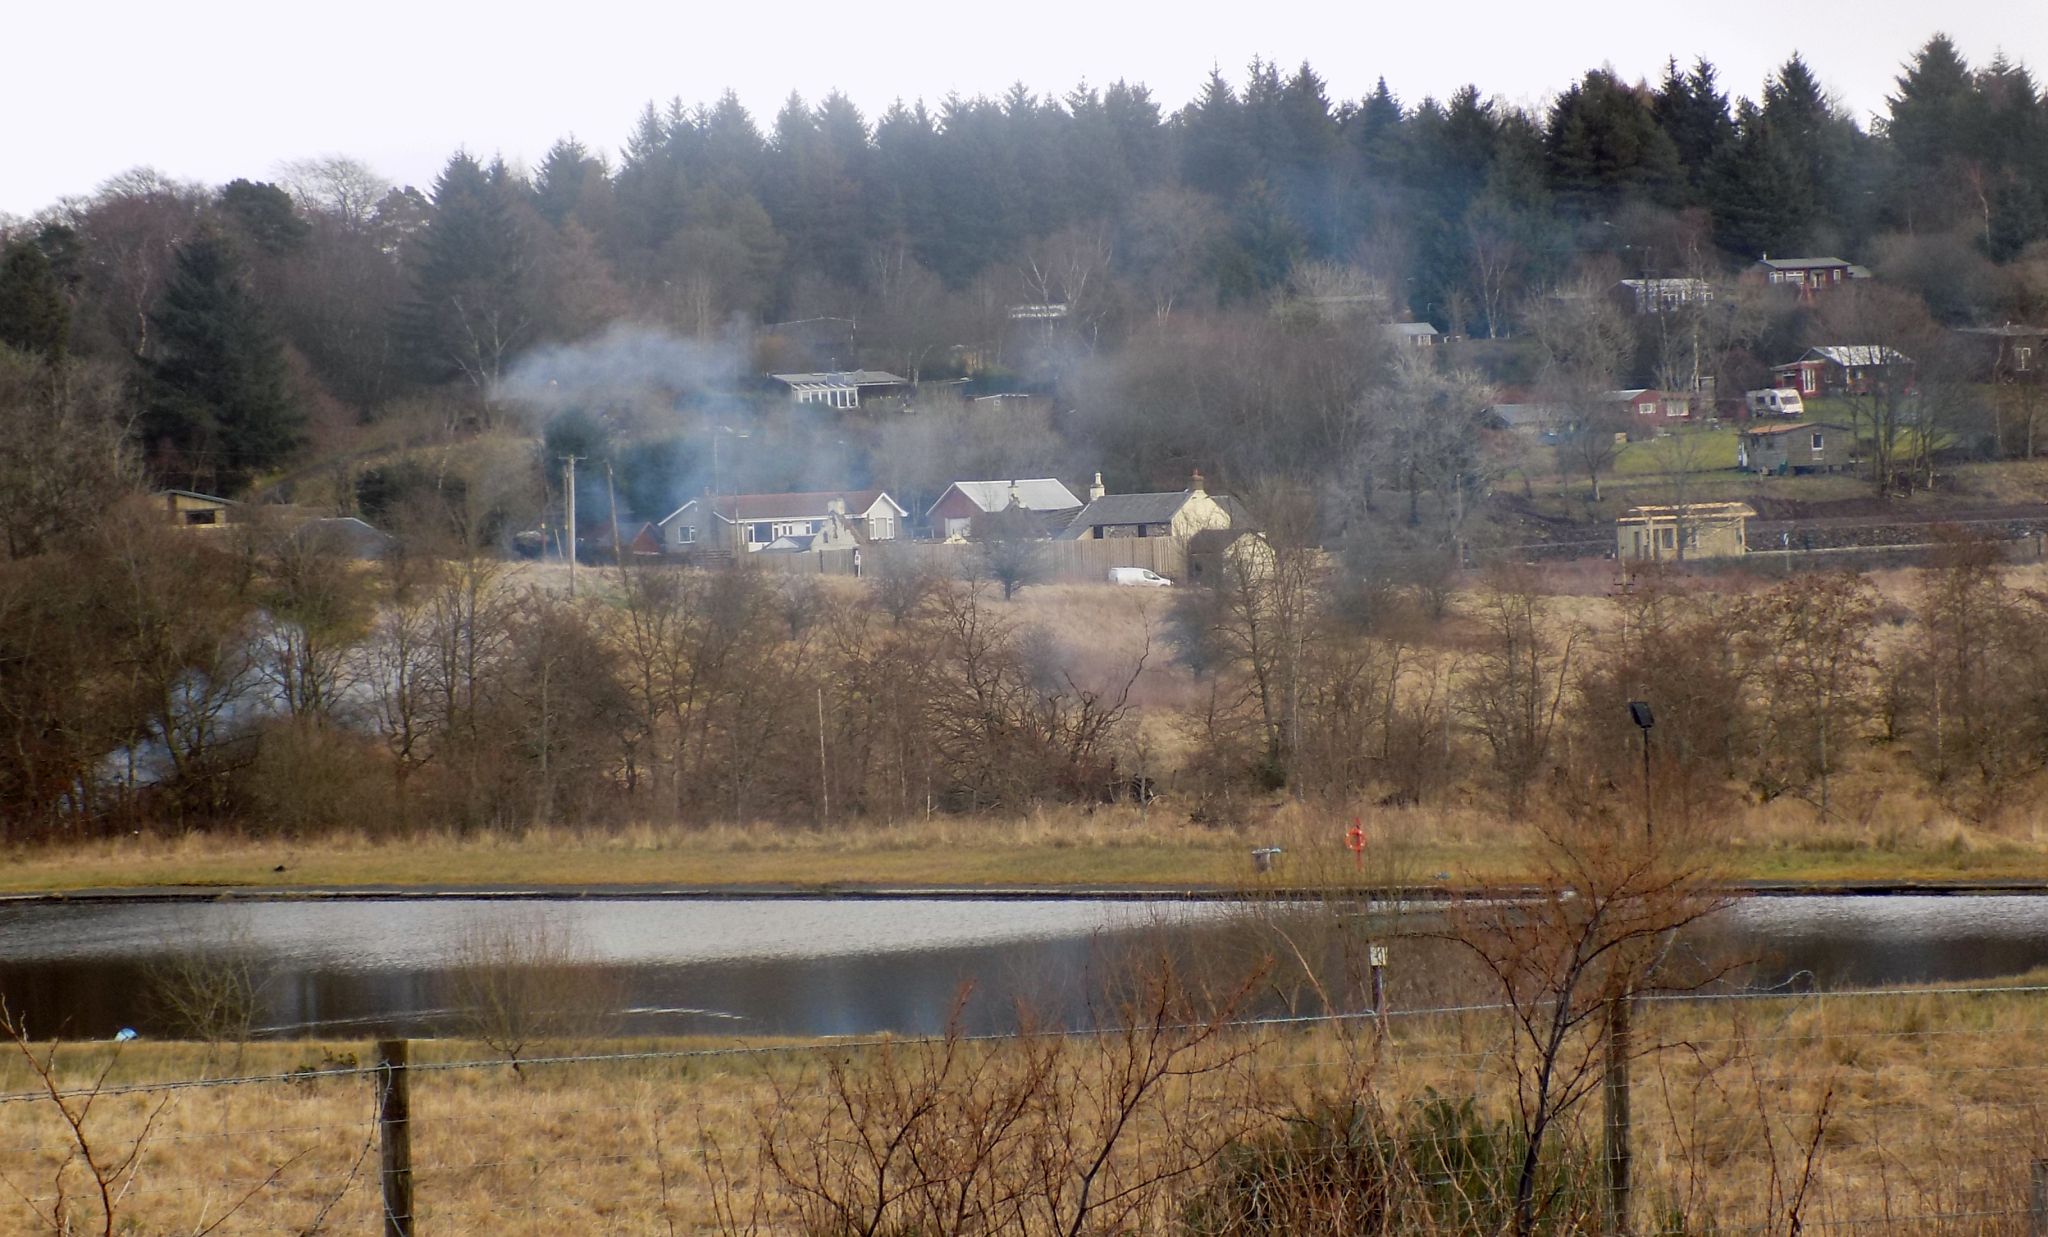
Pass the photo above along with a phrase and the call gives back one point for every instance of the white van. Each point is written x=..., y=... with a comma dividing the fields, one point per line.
x=1776, y=402
x=1138, y=577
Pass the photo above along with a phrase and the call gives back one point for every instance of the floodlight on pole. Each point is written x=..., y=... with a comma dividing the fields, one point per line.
x=1639, y=713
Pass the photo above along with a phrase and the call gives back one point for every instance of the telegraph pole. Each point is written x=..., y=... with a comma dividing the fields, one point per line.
x=569, y=499
x=611, y=493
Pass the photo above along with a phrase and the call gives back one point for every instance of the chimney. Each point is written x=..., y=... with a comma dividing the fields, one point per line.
x=1015, y=501
x=835, y=506
x=1096, y=491
x=1195, y=488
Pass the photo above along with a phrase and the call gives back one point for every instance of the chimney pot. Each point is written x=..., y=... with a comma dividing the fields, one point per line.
x=1096, y=491
x=1196, y=487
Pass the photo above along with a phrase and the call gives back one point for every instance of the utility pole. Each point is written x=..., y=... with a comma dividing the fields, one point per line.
x=569, y=515
x=611, y=492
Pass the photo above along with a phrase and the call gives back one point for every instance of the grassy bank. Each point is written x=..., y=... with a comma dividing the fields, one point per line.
x=1122, y=847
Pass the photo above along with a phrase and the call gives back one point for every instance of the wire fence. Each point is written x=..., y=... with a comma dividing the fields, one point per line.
x=1914, y=1111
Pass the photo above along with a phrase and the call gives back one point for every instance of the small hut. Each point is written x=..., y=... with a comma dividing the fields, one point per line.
x=1683, y=531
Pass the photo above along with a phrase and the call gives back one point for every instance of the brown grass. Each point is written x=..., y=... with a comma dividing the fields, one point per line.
x=1883, y=829
x=1930, y=1102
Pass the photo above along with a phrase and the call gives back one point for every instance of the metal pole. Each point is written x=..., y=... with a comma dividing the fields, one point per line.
x=394, y=1131
x=1649, y=831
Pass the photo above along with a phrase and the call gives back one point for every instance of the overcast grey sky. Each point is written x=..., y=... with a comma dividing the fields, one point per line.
x=214, y=89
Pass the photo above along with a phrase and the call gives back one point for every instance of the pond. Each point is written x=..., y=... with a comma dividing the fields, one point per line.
x=811, y=966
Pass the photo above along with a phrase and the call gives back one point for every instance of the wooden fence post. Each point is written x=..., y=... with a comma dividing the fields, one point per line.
x=2037, y=1200
x=1616, y=1093
x=394, y=1135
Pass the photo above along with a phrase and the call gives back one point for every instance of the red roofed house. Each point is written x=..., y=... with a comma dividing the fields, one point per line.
x=1848, y=369
x=1806, y=276
x=1647, y=407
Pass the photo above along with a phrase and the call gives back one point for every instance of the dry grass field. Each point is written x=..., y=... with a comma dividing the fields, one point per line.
x=1897, y=1113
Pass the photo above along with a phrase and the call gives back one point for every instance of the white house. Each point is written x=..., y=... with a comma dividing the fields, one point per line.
x=756, y=521
x=840, y=388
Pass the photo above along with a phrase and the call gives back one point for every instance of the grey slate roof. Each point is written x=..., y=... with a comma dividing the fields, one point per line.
x=1128, y=509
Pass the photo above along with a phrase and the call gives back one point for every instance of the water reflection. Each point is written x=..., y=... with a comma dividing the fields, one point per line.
x=843, y=967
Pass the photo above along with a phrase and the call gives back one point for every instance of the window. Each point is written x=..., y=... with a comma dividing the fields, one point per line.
x=201, y=518
x=1669, y=537
x=1819, y=442
x=760, y=534
x=685, y=534
x=1809, y=380
x=882, y=528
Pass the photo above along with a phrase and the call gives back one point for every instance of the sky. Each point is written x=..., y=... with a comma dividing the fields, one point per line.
x=210, y=90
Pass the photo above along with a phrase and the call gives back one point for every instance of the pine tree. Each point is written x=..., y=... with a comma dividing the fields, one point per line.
x=1693, y=112
x=220, y=409
x=1933, y=109
x=1761, y=198
x=1303, y=162
x=1605, y=145
x=571, y=182
x=265, y=214
x=1216, y=157
x=1374, y=130
x=34, y=316
x=1936, y=133
x=470, y=310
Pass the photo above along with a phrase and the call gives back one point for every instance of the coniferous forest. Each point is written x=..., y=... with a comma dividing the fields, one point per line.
x=252, y=328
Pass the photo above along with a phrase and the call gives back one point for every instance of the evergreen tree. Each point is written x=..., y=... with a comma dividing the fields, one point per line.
x=1823, y=149
x=1303, y=161
x=265, y=214
x=650, y=187
x=34, y=316
x=470, y=310
x=1936, y=134
x=1261, y=247
x=733, y=148
x=1374, y=131
x=1216, y=156
x=1693, y=112
x=571, y=182
x=2015, y=139
x=1133, y=116
x=1605, y=145
x=1933, y=111
x=220, y=408
x=1761, y=198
